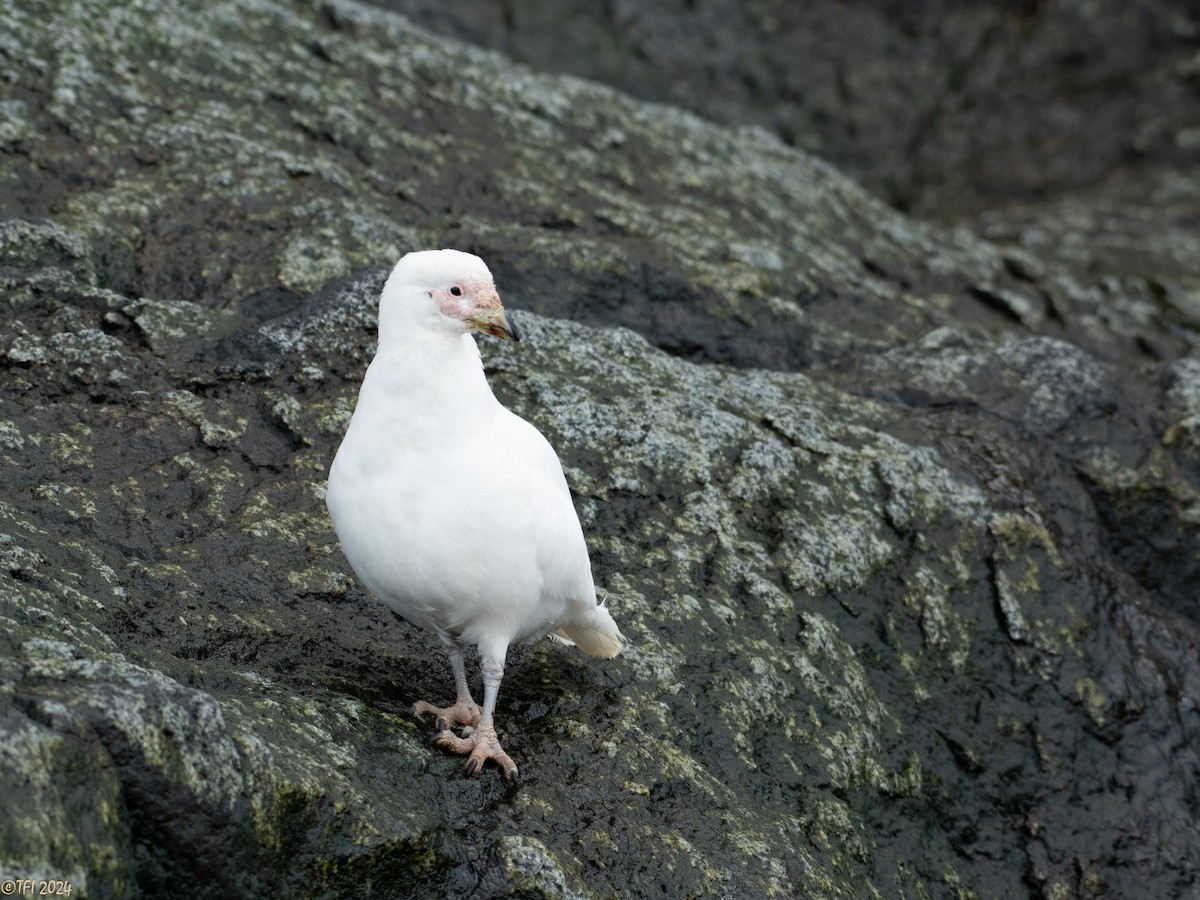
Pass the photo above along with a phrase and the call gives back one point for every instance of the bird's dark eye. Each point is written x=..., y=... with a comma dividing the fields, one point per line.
x=456, y=291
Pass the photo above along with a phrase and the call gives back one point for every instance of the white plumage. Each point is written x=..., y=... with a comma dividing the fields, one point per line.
x=451, y=509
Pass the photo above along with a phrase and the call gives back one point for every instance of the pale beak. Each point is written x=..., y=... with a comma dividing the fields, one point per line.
x=495, y=322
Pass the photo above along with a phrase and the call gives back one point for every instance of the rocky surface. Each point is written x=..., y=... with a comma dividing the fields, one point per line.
x=1067, y=130
x=902, y=524
x=941, y=108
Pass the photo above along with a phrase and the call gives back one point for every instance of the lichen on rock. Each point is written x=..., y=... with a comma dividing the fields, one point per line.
x=900, y=528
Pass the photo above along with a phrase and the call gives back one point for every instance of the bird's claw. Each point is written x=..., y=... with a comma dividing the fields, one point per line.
x=509, y=774
x=480, y=746
x=464, y=712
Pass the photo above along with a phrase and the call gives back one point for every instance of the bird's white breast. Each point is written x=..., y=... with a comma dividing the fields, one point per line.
x=454, y=511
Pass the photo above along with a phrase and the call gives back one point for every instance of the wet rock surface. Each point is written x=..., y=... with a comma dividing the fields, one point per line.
x=902, y=524
x=941, y=108
x=1063, y=130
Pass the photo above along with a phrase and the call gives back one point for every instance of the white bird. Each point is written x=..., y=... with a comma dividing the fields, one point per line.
x=453, y=510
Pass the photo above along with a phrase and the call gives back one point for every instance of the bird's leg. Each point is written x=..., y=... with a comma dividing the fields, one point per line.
x=464, y=711
x=482, y=743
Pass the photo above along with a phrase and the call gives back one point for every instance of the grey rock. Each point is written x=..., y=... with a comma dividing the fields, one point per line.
x=940, y=108
x=896, y=521
x=1002, y=119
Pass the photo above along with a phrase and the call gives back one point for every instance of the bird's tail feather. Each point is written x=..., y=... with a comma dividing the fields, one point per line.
x=601, y=638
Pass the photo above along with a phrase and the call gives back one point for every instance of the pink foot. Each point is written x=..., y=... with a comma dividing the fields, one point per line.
x=464, y=712
x=482, y=745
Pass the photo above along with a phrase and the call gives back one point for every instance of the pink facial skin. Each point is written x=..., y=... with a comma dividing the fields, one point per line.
x=476, y=297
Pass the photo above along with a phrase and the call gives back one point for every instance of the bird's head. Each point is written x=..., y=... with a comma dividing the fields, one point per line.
x=447, y=290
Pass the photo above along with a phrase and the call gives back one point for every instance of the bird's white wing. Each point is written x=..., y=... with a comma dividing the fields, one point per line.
x=567, y=606
x=560, y=551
